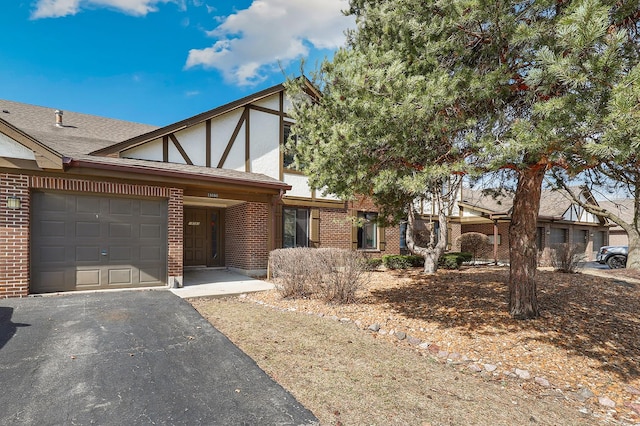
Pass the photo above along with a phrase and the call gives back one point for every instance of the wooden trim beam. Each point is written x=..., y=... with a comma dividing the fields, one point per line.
x=165, y=149
x=208, y=142
x=247, y=141
x=232, y=139
x=180, y=149
x=280, y=113
x=281, y=137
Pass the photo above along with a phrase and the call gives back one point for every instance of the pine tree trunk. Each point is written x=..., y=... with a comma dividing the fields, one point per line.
x=633, y=258
x=523, y=303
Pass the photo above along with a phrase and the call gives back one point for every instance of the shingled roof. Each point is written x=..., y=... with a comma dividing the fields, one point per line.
x=553, y=204
x=81, y=134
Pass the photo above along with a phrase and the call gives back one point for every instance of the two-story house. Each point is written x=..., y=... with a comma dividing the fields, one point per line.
x=89, y=202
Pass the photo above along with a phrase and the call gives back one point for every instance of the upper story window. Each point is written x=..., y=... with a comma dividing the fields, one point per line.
x=368, y=231
x=288, y=160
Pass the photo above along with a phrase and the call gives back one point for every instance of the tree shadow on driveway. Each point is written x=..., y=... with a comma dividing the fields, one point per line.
x=7, y=328
x=586, y=316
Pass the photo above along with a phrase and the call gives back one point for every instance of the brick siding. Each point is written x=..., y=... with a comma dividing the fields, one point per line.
x=246, y=239
x=487, y=229
x=14, y=224
x=14, y=237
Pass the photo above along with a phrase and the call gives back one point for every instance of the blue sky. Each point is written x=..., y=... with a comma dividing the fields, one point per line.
x=158, y=61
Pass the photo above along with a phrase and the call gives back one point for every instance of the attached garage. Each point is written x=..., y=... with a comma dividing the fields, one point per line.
x=83, y=242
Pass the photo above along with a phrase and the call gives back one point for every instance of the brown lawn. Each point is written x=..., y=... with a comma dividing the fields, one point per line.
x=586, y=345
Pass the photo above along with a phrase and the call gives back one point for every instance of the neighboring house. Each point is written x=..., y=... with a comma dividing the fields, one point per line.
x=559, y=221
x=624, y=209
x=89, y=202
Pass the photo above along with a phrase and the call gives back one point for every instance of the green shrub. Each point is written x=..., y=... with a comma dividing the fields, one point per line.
x=453, y=260
x=374, y=263
x=393, y=261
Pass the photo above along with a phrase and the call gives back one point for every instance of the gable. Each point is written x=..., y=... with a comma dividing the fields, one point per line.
x=21, y=151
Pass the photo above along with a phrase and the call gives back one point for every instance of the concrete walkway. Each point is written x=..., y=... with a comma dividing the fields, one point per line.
x=211, y=282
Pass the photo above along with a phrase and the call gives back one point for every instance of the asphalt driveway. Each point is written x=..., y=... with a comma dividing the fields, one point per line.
x=124, y=358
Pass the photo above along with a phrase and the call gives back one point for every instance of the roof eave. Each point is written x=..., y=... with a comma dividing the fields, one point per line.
x=276, y=186
x=46, y=158
x=196, y=119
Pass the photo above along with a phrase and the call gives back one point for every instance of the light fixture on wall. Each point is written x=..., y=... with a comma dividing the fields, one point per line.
x=13, y=202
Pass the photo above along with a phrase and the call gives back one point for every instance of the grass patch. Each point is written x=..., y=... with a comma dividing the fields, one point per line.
x=348, y=376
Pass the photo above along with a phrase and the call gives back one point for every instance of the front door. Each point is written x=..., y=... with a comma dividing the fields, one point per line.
x=203, y=230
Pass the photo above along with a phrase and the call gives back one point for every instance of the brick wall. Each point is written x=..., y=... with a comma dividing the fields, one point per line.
x=335, y=228
x=14, y=224
x=175, y=234
x=14, y=237
x=487, y=229
x=246, y=239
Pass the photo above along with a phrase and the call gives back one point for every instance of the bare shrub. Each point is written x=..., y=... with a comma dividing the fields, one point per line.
x=475, y=243
x=345, y=274
x=295, y=271
x=335, y=275
x=568, y=258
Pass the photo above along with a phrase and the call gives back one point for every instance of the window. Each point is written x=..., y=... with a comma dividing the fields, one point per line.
x=295, y=228
x=491, y=238
x=288, y=160
x=403, y=235
x=367, y=231
x=540, y=238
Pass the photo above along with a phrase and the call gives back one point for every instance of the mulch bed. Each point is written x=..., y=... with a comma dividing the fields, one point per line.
x=586, y=342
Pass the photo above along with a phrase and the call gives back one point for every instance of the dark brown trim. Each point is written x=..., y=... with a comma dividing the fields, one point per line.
x=232, y=139
x=208, y=142
x=268, y=110
x=196, y=119
x=177, y=174
x=180, y=149
x=46, y=157
x=281, y=138
x=165, y=149
x=247, y=141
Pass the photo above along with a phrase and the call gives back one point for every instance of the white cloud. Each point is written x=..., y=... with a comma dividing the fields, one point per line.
x=253, y=41
x=59, y=8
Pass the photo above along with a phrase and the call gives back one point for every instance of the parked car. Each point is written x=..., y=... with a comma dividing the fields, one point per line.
x=614, y=256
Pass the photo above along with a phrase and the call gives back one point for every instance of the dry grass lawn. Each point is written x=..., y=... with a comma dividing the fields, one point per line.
x=587, y=338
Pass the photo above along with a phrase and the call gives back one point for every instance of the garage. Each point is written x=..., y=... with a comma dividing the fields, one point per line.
x=85, y=242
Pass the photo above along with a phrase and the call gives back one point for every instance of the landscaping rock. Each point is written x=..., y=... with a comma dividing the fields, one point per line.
x=522, y=374
x=401, y=335
x=434, y=349
x=583, y=394
x=475, y=368
x=424, y=345
x=490, y=368
x=443, y=354
x=374, y=327
x=542, y=382
x=414, y=341
x=454, y=356
x=606, y=402
x=345, y=320
x=633, y=407
x=632, y=390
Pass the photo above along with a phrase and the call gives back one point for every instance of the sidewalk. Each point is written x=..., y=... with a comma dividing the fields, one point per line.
x=208, y=282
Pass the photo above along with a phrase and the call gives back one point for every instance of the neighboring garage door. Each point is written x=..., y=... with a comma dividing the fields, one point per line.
x=83, y=242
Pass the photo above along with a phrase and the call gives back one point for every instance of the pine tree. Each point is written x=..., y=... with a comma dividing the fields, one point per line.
x=428, y=88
